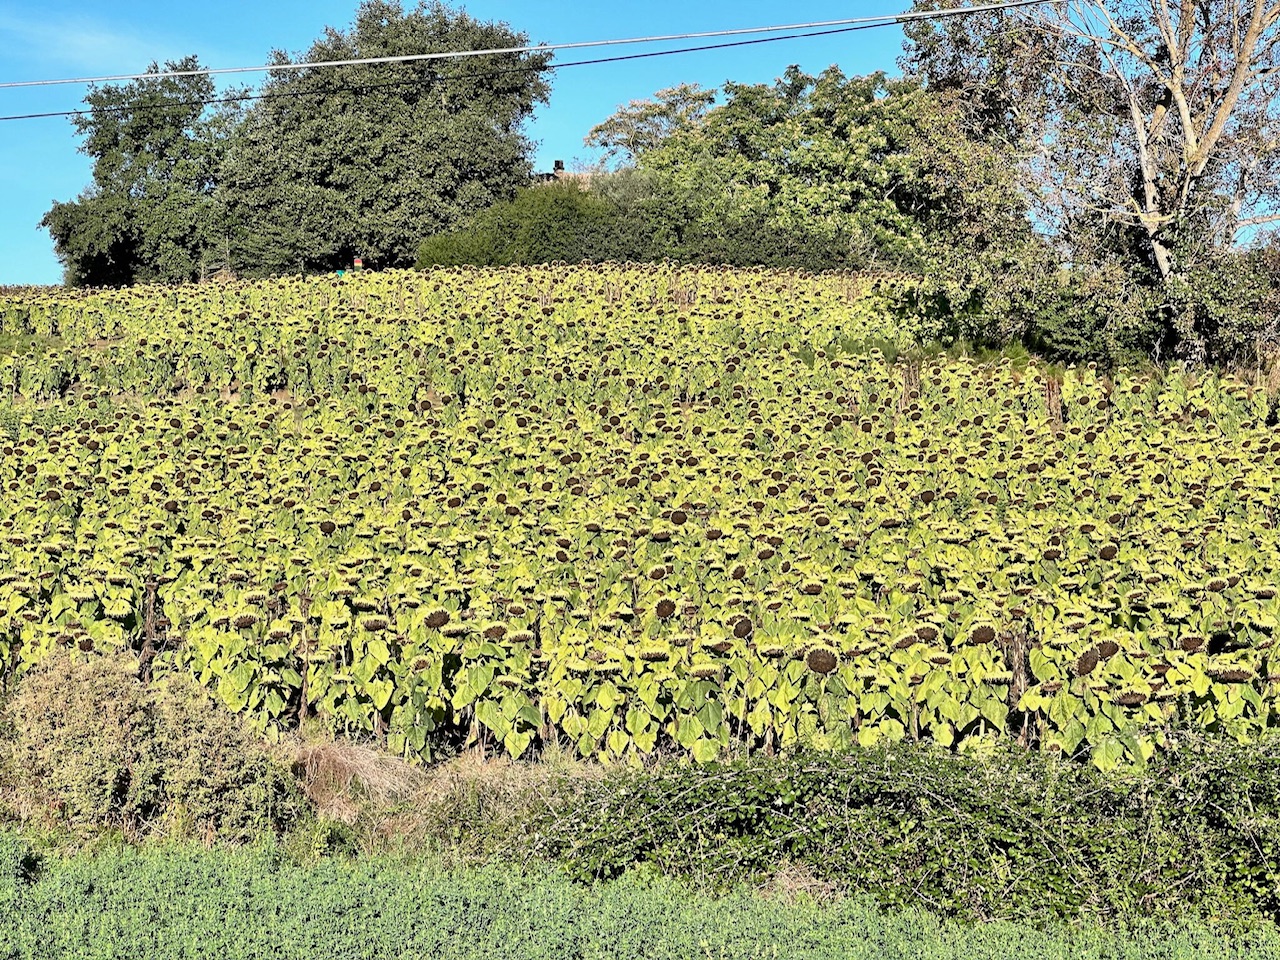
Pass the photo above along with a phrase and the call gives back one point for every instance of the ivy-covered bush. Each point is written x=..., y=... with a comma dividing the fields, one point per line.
x=1005, y=836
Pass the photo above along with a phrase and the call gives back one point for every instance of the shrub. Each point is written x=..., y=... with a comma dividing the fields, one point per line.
x=1228, y=308
x=76, y=726
x=1094, y=314
x=626, y=216
x=557, y=222
x=93, y=747
x=1008, y=836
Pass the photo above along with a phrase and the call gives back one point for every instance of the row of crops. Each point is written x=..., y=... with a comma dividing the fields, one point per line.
x=632, y=509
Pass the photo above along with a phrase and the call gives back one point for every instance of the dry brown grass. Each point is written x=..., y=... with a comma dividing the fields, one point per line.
x=795, y=881
x=1262, y=370
x=15, y=805
x=501, y=780
x=472, y=806
x=463, y=809
x=1271, y=375
x=344, y=779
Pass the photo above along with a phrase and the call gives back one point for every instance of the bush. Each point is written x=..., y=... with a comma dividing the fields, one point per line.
x=556, y=222
x=1227, y=310
x=1095, y=314
x=93, y=747
x=625, y=216
x=1013, y=835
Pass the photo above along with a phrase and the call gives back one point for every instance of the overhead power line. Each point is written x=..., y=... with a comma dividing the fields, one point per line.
x=434, y=78
x=408, y=81
x=884, y=19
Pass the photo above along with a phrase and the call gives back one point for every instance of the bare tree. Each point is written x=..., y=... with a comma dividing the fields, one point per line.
x=1157, y=120
x=1196, y=83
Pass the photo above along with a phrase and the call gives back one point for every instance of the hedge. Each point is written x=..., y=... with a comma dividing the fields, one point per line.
x=1012, y=835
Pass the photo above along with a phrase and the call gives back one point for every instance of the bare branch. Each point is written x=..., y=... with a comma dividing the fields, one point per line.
x=1257, y=221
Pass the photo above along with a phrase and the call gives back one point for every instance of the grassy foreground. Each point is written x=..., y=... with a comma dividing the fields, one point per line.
x=193, y=903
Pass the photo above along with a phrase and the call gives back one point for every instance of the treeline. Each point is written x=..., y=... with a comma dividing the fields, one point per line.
x=313, y=169
x=813, y=172
x=1102, y=207
x=871, y=173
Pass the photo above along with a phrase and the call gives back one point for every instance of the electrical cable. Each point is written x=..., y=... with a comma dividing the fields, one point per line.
x=340, y=88
x=885, y=19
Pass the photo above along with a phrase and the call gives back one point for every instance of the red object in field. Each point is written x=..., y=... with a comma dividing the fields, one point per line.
x=359, y=263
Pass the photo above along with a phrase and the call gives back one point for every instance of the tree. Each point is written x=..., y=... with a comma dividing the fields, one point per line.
x=1150, y=128
x=874, y=173
x=868, y=170
x=369, y=160
x=643, y=125
x=147, y=215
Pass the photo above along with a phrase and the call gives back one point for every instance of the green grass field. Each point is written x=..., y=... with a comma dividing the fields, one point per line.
x=195, y=904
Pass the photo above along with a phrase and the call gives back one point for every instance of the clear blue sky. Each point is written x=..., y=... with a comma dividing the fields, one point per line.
x=39, y=161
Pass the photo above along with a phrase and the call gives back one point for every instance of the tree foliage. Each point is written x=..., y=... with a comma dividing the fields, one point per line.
x=148, y=213
x=368, y=160
x=1149, y=130
x=873, y=170
x=816, y=172
x=326, y=165
x=642, y=125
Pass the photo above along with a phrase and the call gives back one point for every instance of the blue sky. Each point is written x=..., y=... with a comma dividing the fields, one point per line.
x=39, y=162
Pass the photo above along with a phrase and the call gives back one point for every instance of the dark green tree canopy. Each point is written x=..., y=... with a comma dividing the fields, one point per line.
x=147, y=215
x=368, y=160
x=325, y=165
x=559, y=221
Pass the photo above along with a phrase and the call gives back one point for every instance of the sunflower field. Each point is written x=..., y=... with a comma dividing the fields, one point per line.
x=638, y=510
